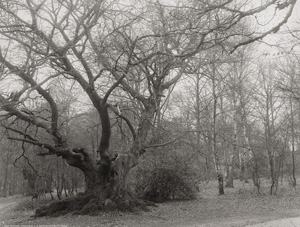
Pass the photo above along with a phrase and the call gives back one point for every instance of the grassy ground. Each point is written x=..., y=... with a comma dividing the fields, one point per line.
x=238, y=207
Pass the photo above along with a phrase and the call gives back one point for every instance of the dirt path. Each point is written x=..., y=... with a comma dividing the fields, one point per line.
x=249, y=221
x=128, y=220
x=6, y=206
x=180, y=214
x=286, y=222
x=7, y=213
x=252, y=222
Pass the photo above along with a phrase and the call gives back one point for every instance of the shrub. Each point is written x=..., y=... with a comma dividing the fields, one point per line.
x=165, y=184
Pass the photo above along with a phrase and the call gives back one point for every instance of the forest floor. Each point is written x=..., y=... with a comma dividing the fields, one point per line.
x=238, y=207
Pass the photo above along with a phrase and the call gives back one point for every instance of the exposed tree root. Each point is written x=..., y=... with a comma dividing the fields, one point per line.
x=90, y=205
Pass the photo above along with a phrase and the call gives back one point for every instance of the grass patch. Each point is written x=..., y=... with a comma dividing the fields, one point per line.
x=28, y=204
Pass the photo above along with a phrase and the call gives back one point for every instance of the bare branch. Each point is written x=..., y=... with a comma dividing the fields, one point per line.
x=111, y=89
x=167, y=143
x=272, y=30
x=125, y=119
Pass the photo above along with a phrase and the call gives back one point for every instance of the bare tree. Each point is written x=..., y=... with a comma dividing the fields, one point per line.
x=289, y=86
x=270, y=108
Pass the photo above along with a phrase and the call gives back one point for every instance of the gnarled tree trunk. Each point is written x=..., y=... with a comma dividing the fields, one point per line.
x=106, y=179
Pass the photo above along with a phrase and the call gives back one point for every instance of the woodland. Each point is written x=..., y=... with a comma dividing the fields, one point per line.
x=118, y=105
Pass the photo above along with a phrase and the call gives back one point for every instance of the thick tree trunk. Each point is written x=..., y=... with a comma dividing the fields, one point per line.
x=105, y=180
x=105, y=191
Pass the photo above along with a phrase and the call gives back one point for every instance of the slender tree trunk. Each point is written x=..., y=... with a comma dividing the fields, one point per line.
x=294, y=181
x=230, y=168
x=230, y=172
x=198, y=129
x=216, y=159
x=207, y=169
x=5, y=183
x=269, y=144
x=221, y=184
x=255, y=173
x=245, y=152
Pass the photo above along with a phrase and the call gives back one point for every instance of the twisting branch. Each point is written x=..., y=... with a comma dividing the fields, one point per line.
x=125, y=119
x=272, y=30
x=20, y=132
x=39, y=85
x=54, y=110
x=168, y=142
x=27, y=160
x=111, y=89
x=51, y=148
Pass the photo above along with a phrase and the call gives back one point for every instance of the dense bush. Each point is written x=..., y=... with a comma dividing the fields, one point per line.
x=165, y=184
